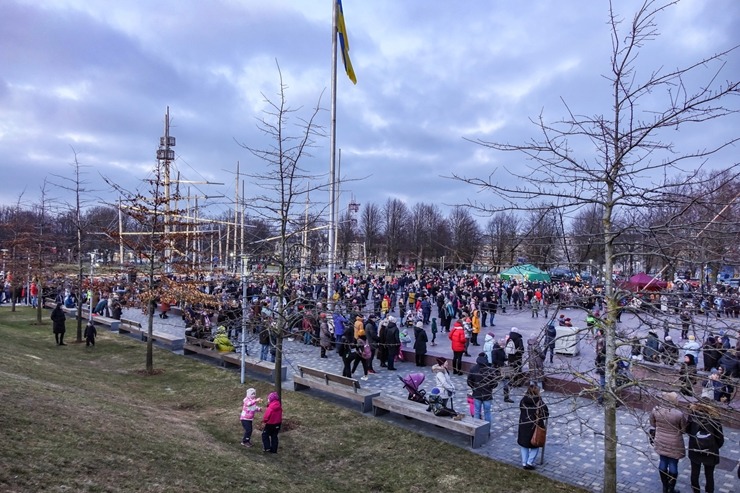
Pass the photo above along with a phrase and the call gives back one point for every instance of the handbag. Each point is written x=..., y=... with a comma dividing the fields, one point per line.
x=539, y=436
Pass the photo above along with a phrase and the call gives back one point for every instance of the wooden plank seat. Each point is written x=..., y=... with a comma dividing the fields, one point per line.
x=206, y=348
x=348, y=388
x=477, y=429
x=169, y=341
x=255, y=365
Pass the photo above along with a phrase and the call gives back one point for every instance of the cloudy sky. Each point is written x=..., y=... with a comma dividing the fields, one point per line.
x=97, y=75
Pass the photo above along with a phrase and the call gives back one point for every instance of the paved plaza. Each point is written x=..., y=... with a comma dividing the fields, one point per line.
x=574, y=451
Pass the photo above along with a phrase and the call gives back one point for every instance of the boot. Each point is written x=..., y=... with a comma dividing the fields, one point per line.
x=672, y=480
x=664, y=480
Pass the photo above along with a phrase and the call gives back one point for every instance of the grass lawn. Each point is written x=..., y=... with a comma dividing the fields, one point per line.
x=79, y=419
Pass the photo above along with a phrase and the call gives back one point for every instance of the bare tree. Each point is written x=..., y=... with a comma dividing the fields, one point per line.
x=629, y=151
x=501, y=234
x=370, y=227
x=465, y=238
x=395, y=217
x=283, y=185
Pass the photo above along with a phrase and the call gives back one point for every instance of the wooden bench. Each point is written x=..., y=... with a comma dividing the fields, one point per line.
x=193, y=345
x=348, y=388
x=110, y=322
x=477, y=429
x=255, y=365
x=169, y=341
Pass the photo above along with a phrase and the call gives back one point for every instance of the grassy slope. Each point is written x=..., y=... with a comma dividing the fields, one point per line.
x=79, y=419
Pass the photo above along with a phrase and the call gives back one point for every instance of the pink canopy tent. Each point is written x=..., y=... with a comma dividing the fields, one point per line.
x=644, y=282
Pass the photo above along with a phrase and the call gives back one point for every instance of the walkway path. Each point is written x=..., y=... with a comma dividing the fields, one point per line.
x=574, y=453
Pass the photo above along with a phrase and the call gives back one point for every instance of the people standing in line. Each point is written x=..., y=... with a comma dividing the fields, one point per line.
x=444, y=381
x=457, y=343
x=705, y=439
x=272, y=421
x=249, y=408
x=532, y=411
x=58, y=319
x=392, y=343
x=90, y=333
x=434, y=331
x=482, y=381
x=669, y=423
x=420, y=343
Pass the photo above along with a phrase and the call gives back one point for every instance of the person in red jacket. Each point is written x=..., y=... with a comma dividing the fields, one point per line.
x=457, y=339
x=272, y=420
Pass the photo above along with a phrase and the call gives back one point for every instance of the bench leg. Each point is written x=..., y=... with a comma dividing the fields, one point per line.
x=481, y=436
x=366, y=405
x=379, y=411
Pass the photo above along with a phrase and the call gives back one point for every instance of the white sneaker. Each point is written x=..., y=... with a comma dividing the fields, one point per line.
x=363, y=378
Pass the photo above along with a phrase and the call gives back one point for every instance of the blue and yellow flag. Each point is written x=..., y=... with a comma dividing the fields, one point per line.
x=344, y=43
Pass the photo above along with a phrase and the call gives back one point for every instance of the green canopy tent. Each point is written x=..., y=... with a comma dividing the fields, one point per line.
x=525, y=272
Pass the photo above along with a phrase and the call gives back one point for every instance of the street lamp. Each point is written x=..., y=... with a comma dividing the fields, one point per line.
x=245, y=262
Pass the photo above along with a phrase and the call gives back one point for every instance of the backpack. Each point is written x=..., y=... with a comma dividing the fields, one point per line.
x=704, y=440
x=510, y=347
x=366, y=353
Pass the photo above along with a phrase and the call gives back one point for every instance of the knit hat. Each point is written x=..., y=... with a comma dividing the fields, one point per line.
x=441, y=361
x=515, y=330
x=435, y=391
x=273, y=397
x=251, y=393
x=420, y=325
x=671, y=397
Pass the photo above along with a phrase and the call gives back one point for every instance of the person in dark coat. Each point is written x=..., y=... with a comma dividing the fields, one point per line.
x=515, y=358
x=550, y=336
x=498, y=362
x=392, y=343
x=58, y=319
x=705, y=440
x=711, y=354
x=346, y=351
x=420, y=343
x=90, y=333
x=371, y=331
x=535, y=361
x=532, y=410
x=687, y=375
x=670, y=351
x=482, y=380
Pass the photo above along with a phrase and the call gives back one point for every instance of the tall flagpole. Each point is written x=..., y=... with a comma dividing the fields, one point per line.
x=332, y=156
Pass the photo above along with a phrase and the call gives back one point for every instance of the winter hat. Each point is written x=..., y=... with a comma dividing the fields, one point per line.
x=273, y=397
x=671, y=397
x=441, y=361
x=692, y=337
x=420, y=325
x=251, y=393
x=435, y=391
x=515, y=330
x=668, y=338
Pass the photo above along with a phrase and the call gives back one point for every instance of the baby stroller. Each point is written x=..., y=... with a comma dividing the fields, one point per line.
x=411, y=383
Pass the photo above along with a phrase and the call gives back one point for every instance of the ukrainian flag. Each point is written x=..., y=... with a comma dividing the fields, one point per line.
x=344, y=43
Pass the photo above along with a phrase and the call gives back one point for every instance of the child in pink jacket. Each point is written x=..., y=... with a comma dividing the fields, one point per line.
x=249, y=407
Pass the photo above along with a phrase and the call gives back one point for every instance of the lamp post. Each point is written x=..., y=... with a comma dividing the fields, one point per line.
x=5, y=253
x=90, y=298
x=245, y=260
